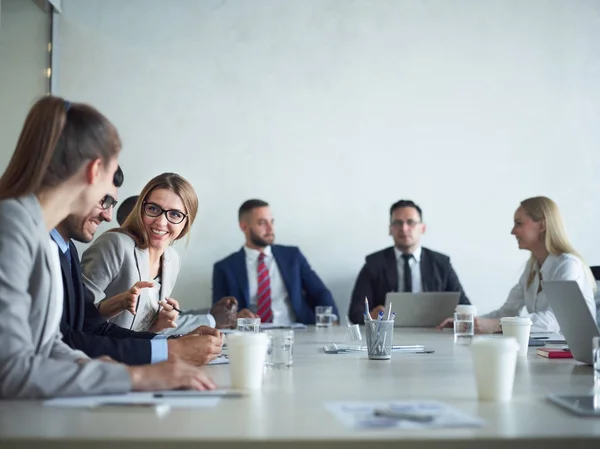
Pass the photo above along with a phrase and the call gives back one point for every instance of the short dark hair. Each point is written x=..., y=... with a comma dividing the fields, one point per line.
x=125, y=209
x=118, y=178
x=406, y=203
x=249, y=206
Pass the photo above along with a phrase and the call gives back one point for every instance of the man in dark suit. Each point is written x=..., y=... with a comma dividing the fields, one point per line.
x=85, y=329
x=274, y=282
x=405, y=267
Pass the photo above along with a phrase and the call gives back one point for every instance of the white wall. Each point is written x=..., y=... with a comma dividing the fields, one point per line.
x=24, y=36
x=332, y=110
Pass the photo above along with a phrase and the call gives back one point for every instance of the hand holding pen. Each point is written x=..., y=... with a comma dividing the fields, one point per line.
x=167, y=315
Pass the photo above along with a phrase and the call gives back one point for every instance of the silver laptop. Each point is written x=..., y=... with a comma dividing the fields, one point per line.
x=574, y=317
x=427, y=309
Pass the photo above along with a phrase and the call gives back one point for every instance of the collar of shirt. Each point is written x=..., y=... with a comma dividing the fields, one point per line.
x=546, y=266
x=62, y=245
x=416, y=254
x=252, y=254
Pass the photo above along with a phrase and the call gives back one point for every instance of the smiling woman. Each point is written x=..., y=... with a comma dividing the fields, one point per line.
x=139, y=254
x=539, y=228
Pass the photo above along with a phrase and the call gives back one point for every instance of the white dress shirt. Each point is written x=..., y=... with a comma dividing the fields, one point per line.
x=280, y=304
x=415, y=269
x=565, y=267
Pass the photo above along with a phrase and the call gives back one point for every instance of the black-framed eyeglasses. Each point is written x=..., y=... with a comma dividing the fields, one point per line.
x=173, y=215
x=107, y=202
x=400, y=223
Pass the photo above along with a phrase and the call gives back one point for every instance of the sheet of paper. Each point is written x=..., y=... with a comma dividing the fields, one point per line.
x=141, y=398
x=220, y=360
x=360, y=415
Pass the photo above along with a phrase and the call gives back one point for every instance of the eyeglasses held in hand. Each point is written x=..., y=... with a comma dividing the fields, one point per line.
x=173, y=215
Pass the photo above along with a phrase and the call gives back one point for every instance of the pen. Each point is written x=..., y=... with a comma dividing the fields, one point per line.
x=406, y=416
x=367, y=313
x=174, y=308
x=196, y=394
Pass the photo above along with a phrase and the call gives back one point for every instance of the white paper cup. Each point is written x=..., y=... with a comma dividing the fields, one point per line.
x=494, y=363
x=247, y=355
x=519, y=328
x=464, y=308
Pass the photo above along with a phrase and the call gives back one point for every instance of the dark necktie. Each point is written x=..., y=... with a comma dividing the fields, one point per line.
x=407, y=273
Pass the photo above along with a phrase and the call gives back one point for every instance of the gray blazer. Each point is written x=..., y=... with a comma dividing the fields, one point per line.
x=34, y=362
x=113, y=263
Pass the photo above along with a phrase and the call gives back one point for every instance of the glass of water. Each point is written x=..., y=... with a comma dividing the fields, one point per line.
x=596, y=360
x=280, y=353
x=324, y=316
x=464, y=327
x=248, y=324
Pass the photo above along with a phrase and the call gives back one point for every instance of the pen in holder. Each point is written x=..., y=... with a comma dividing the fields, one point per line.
x=380, y=335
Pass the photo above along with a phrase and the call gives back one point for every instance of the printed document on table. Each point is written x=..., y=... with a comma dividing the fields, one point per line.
x=141, y=398
x=361, y=415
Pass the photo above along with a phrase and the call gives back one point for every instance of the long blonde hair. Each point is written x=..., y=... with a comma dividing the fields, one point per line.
x=134, y=224
x=541, y=208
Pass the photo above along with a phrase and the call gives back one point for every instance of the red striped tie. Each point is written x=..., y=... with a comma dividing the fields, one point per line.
x=263, y=293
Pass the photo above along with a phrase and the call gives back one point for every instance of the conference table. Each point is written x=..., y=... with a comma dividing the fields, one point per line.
x=290, y=411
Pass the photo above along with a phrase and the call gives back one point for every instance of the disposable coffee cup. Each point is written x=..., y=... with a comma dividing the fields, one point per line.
x=519, y=328
x=494, y=363
x=247, y=356
x=464, y=308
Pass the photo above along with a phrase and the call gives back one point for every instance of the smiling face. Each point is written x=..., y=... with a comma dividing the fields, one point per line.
x=83, y=229
x=529, y=233
x=162, y=232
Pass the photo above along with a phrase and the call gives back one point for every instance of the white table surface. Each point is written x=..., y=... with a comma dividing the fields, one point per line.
x=289, y=412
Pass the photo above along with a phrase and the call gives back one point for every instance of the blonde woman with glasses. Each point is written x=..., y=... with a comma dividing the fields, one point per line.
x=64, y=163
x=539, y=228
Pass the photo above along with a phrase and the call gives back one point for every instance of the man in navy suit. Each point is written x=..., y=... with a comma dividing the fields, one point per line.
x=405, y=267
x=273, y=282
x=83, y=327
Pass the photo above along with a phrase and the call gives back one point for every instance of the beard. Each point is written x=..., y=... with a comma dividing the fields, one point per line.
x=259, y=241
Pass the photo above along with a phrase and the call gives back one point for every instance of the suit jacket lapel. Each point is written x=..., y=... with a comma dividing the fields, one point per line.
x=427, y=279
x=391, y=269
x=240, y=270
x=283, y=269
x=142, y=260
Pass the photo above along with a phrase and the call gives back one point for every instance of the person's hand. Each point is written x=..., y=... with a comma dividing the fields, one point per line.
x=195, y=349
x=246, y=313
x=448, y=322
x=487, y=325
x=170, y=375
x=167, y=315
x=130, y=297
x=106, y=359
x=206, y=330
x=375, y=312
x=225, y=312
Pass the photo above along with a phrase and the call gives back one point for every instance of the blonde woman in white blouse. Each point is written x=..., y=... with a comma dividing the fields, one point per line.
x=539, y=228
